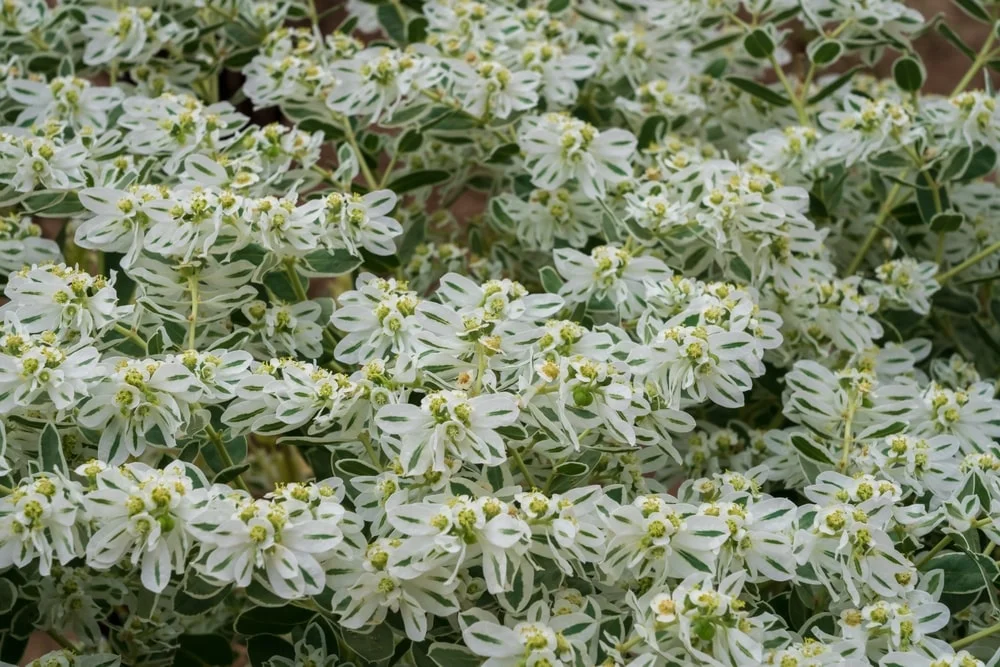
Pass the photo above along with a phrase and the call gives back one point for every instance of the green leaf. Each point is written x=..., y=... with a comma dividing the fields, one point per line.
x=740, y=268
x=932, y=197
x=374, y=646
x=8, y=595
x=53, y=459
x=503, y=154
x=356, y=468
x=759, y=91
x=956, y=41
x=556, y=6
x=909, y=73
x=759, y=44
x=975, y=9
x=203, y=650
x=907, y=215
x=418, y=179
x=409, y=141
x=649, y=130
x=412, y=238
x=964, y=572
x=416, y=30
x=453, y=655
x=261, y=648
x=955, y=302
x=236, y=448
x=268, y=620
x=716, y=43
x=329, y=263
x=947, y=221
x=835, y=85
x=810, y=450
x=823, y=51
x=229, y=474
x=392, y=21
x=980, y=164
x=883, y=431
x=550, y=279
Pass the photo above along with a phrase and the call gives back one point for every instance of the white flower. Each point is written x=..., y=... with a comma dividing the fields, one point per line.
x=907, y=283
x=142, y=402
x=286, y=329
x=377, y=80
x=38, y=520
x=548, y=215
x=449, y=423
x=365, y=594
x=21, y=244
x=279, y=541
x=378, y=318
x=128, y=35
x=610, y=273
x=41, y=161
x=559, y=148
x=142, y=512
x=464, y=528
x=560, y=68
x=355, y=222
x=121, y=218
x=491, y=90
x=38, y=374
x=66, y=301
x=68, y=98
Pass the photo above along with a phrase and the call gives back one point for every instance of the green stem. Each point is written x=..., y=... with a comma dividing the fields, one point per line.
x=516, y=455
x=883, y=213
x=193, y=324
x=62, y=640
x=313, y=14
x=848, y=432
x=800, y=109
x=627, y=646
x=131, y=335
x=935, y=550
x=945, y=541
x=293, y=277
x=220, y=448
x=975, y=259
x=353, y=141
x=982, y=634
x=366, y=441
x=981, y=59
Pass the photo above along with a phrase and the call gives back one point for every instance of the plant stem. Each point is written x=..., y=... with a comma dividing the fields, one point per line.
x=367, y=442
x=353, y=141
x=516, y=455
x=293, y=277
x=982, y=634
x=848, y=432
x=981, y=58
x=883, y=213
x=975, y=259
x=220, y=448
x=131, y=335
x=945, y=541
x=62, y=640
x=313, y=15
x=193, y=324
x=800, y=109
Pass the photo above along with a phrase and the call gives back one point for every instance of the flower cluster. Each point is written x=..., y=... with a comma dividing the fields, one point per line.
x=514, y=334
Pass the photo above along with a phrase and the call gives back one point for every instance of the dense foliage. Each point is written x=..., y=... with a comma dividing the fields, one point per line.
x=516, y=334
